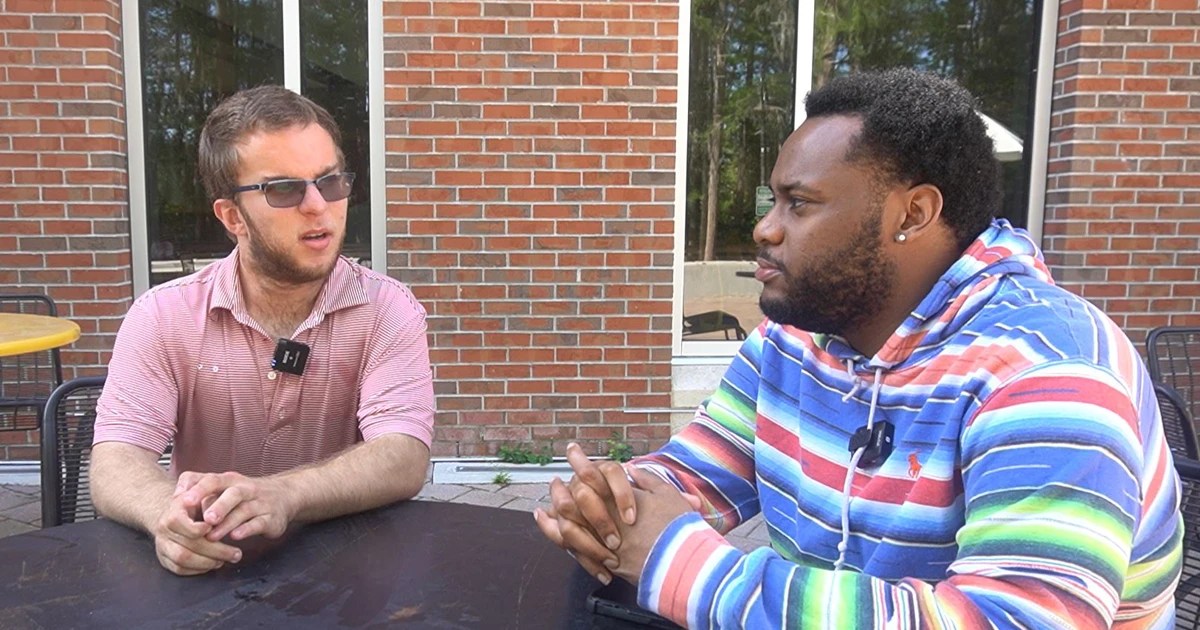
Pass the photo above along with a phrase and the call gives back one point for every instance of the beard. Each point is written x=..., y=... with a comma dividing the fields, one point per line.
x=273, y=262
x=838, y=291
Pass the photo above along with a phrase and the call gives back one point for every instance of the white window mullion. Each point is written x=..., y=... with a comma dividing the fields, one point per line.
x=139, y=242
x=806, y=18
x=291, y=45
x=378, y=143
x=1040, y=142
x=681, y=161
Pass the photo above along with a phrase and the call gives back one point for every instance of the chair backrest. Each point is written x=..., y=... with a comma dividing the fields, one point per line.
x=67, y=429
x=26, y=380
x=1174, y=358
x=1177, y=423
x=1187, y=593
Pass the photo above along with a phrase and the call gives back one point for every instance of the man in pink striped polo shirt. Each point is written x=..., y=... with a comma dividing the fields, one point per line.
x=294, y=383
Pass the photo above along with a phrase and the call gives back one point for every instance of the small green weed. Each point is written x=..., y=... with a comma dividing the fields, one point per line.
x=502, y=479
x=618, y=450
x=521, y=454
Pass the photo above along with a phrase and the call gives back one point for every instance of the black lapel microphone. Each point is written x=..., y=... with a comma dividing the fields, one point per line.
x=290, y=356
x=877, y=442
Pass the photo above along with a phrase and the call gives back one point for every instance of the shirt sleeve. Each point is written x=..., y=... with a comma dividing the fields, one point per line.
x=1051, y=466
x=396, y=391
x=713, y=456
x=140, y=399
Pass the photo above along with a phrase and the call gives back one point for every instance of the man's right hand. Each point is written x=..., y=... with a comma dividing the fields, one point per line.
x=179, y=540
x=583, y=517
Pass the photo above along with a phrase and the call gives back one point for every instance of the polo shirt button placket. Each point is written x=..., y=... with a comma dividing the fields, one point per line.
x=272, y=375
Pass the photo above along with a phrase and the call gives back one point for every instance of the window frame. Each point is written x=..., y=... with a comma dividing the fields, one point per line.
x=135, y=129
x=707, y=352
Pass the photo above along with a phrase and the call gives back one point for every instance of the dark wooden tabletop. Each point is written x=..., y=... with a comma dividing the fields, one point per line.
x=413, y=565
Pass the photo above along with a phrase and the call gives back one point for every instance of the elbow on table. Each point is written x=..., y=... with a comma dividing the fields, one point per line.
x=410, y=489
x=412, y=479
x=99, y=482
x=409, y=465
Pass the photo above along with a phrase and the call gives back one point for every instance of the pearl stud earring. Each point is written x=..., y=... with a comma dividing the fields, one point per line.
x=901, y=237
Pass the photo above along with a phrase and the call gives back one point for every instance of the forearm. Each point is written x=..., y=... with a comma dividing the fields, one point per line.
x=128, y=485
x=1050, y=510
x=712, y=460
x=384, y=470
x=732, y=589
x=713, y=456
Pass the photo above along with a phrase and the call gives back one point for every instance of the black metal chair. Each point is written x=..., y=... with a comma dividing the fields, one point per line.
x=26, y=380
x=66, y=451
x=1177, y=423
x=713, y=321
x=1187, y=593
x=1174, y=360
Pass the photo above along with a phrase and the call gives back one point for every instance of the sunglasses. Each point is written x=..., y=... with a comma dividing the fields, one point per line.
x=288, y=193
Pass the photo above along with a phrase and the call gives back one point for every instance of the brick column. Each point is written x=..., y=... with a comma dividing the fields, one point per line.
x=1123, y=198
x=64, y=222
x=531, y=207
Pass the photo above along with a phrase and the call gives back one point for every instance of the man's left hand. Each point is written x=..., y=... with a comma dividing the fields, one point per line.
x=238, y=506
x=658, y=503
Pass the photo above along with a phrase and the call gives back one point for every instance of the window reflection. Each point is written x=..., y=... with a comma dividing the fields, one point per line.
x=194, y=54
x=985, y=45
x=741, y=92
x=333, y=53
x=741, y=108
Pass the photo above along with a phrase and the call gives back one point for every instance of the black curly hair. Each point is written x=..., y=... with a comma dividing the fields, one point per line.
x=918, y=128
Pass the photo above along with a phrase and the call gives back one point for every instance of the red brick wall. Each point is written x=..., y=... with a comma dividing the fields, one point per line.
x=1123, y=197
x=531, y=207
x=64, y=228
x=530, y=182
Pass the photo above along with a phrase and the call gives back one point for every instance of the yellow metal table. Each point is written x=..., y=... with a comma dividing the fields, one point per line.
x=21, y=333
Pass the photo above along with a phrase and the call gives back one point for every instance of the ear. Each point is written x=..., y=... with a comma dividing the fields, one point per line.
x=230, y=216
x=922, y=209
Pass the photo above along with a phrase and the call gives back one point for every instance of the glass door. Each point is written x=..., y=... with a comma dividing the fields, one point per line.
x=194, y=54
x=751, y=63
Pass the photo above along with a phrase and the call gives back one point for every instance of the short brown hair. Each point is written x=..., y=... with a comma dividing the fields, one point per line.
x=264, y=108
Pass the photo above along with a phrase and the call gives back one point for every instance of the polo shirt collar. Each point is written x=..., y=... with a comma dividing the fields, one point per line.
x=343, y=289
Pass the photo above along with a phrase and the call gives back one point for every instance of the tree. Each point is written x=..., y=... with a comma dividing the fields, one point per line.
x=740, y=111
x=719, y=31
x=742, y=87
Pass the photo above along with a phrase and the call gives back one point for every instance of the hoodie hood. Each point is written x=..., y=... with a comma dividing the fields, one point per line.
x=1001, y=250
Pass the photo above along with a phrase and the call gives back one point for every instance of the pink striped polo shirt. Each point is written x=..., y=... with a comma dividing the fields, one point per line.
x=191, y=365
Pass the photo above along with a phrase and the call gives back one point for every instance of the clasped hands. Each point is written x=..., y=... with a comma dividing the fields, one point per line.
x=207, y=507
x=606, y=523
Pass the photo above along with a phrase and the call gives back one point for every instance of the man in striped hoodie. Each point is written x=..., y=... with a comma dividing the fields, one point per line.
x=936, y=434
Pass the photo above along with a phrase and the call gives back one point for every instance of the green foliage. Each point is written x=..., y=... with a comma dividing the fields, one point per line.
x=743, y=66
x=502, y=479
x=742, y=89
x=521, y=454
x=619, y=450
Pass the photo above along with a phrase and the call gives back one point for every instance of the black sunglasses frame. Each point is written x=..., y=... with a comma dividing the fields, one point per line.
x=315, y=182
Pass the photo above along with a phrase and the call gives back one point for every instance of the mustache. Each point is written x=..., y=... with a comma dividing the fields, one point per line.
x=763, y=254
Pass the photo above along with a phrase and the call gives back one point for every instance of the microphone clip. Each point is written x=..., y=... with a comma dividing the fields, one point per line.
x=877, y=441
x=290, y=356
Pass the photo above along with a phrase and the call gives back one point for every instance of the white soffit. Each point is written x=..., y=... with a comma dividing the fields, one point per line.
x=1009, y=147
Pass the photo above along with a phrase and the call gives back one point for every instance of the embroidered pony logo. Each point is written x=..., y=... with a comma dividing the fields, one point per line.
x=914, y=466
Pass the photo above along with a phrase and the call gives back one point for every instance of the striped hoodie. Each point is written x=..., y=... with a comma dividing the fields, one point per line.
x=1030, y=485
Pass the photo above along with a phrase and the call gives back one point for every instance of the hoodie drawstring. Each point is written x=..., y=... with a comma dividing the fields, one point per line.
x=855, y=381
x=854, y=459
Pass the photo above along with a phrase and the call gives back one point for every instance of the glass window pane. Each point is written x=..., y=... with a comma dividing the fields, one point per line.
x=740, y=110
x=985, y=45
x=194, y=54
x=333, y=54
x=742, y=84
